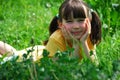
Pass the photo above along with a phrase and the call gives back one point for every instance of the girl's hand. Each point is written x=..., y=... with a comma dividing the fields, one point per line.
x=66, y=33
x=68, y=36
x=87, y=32
x=71, y=39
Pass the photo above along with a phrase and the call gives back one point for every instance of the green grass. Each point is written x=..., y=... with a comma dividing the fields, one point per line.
x=24, y=23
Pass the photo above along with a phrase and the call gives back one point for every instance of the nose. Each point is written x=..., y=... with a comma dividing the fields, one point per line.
x=76, y=25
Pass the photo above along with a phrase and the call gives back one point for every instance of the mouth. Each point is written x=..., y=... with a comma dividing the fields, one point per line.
x=76, y=33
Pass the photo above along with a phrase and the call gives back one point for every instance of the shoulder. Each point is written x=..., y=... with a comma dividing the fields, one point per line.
x=57, y=38
x=57, y=35
x=56, y=42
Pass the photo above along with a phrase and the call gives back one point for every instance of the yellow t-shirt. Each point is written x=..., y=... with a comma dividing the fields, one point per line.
x=57, y=42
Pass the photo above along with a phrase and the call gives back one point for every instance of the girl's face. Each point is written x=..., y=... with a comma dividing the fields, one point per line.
x=76, y=26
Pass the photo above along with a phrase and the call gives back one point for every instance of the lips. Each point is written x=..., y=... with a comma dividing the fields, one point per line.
x=76, y=32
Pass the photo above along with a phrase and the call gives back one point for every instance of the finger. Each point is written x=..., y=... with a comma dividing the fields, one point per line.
x=68, y=33
x=88, y=25
x=71, y=37
x=65, y=33
x=74, y=40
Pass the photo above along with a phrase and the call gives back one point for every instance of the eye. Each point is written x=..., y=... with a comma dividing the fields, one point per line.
x=81, y=20
x=69, y=21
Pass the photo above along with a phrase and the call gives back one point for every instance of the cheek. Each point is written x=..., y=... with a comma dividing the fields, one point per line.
x=83, y=26
x=68, y=27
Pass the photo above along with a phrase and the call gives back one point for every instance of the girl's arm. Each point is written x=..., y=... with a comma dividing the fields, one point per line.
x=76, y=47
x=91, y=54
x=75, y=43
x=85, y=48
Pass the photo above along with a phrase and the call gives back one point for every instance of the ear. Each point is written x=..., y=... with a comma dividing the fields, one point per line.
x=59, y=24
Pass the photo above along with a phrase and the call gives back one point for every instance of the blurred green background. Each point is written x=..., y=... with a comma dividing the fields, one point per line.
x=24, y=23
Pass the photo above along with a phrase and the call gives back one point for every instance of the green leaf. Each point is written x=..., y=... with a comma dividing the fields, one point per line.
x=45, y=53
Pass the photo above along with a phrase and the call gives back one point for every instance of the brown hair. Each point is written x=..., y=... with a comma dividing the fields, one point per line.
x=77, y=8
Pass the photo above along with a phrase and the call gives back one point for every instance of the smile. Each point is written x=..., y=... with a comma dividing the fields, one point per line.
x=76, y=32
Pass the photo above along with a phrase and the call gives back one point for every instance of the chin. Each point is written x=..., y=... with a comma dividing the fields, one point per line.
x=78, y=38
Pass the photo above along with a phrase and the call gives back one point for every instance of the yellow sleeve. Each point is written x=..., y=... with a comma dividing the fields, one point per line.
x=90, y=45
x=53, y=46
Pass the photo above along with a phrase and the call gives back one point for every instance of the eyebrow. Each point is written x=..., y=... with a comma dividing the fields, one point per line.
x=81, y=19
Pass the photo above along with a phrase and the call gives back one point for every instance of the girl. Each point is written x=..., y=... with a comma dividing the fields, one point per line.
x=76, y=26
